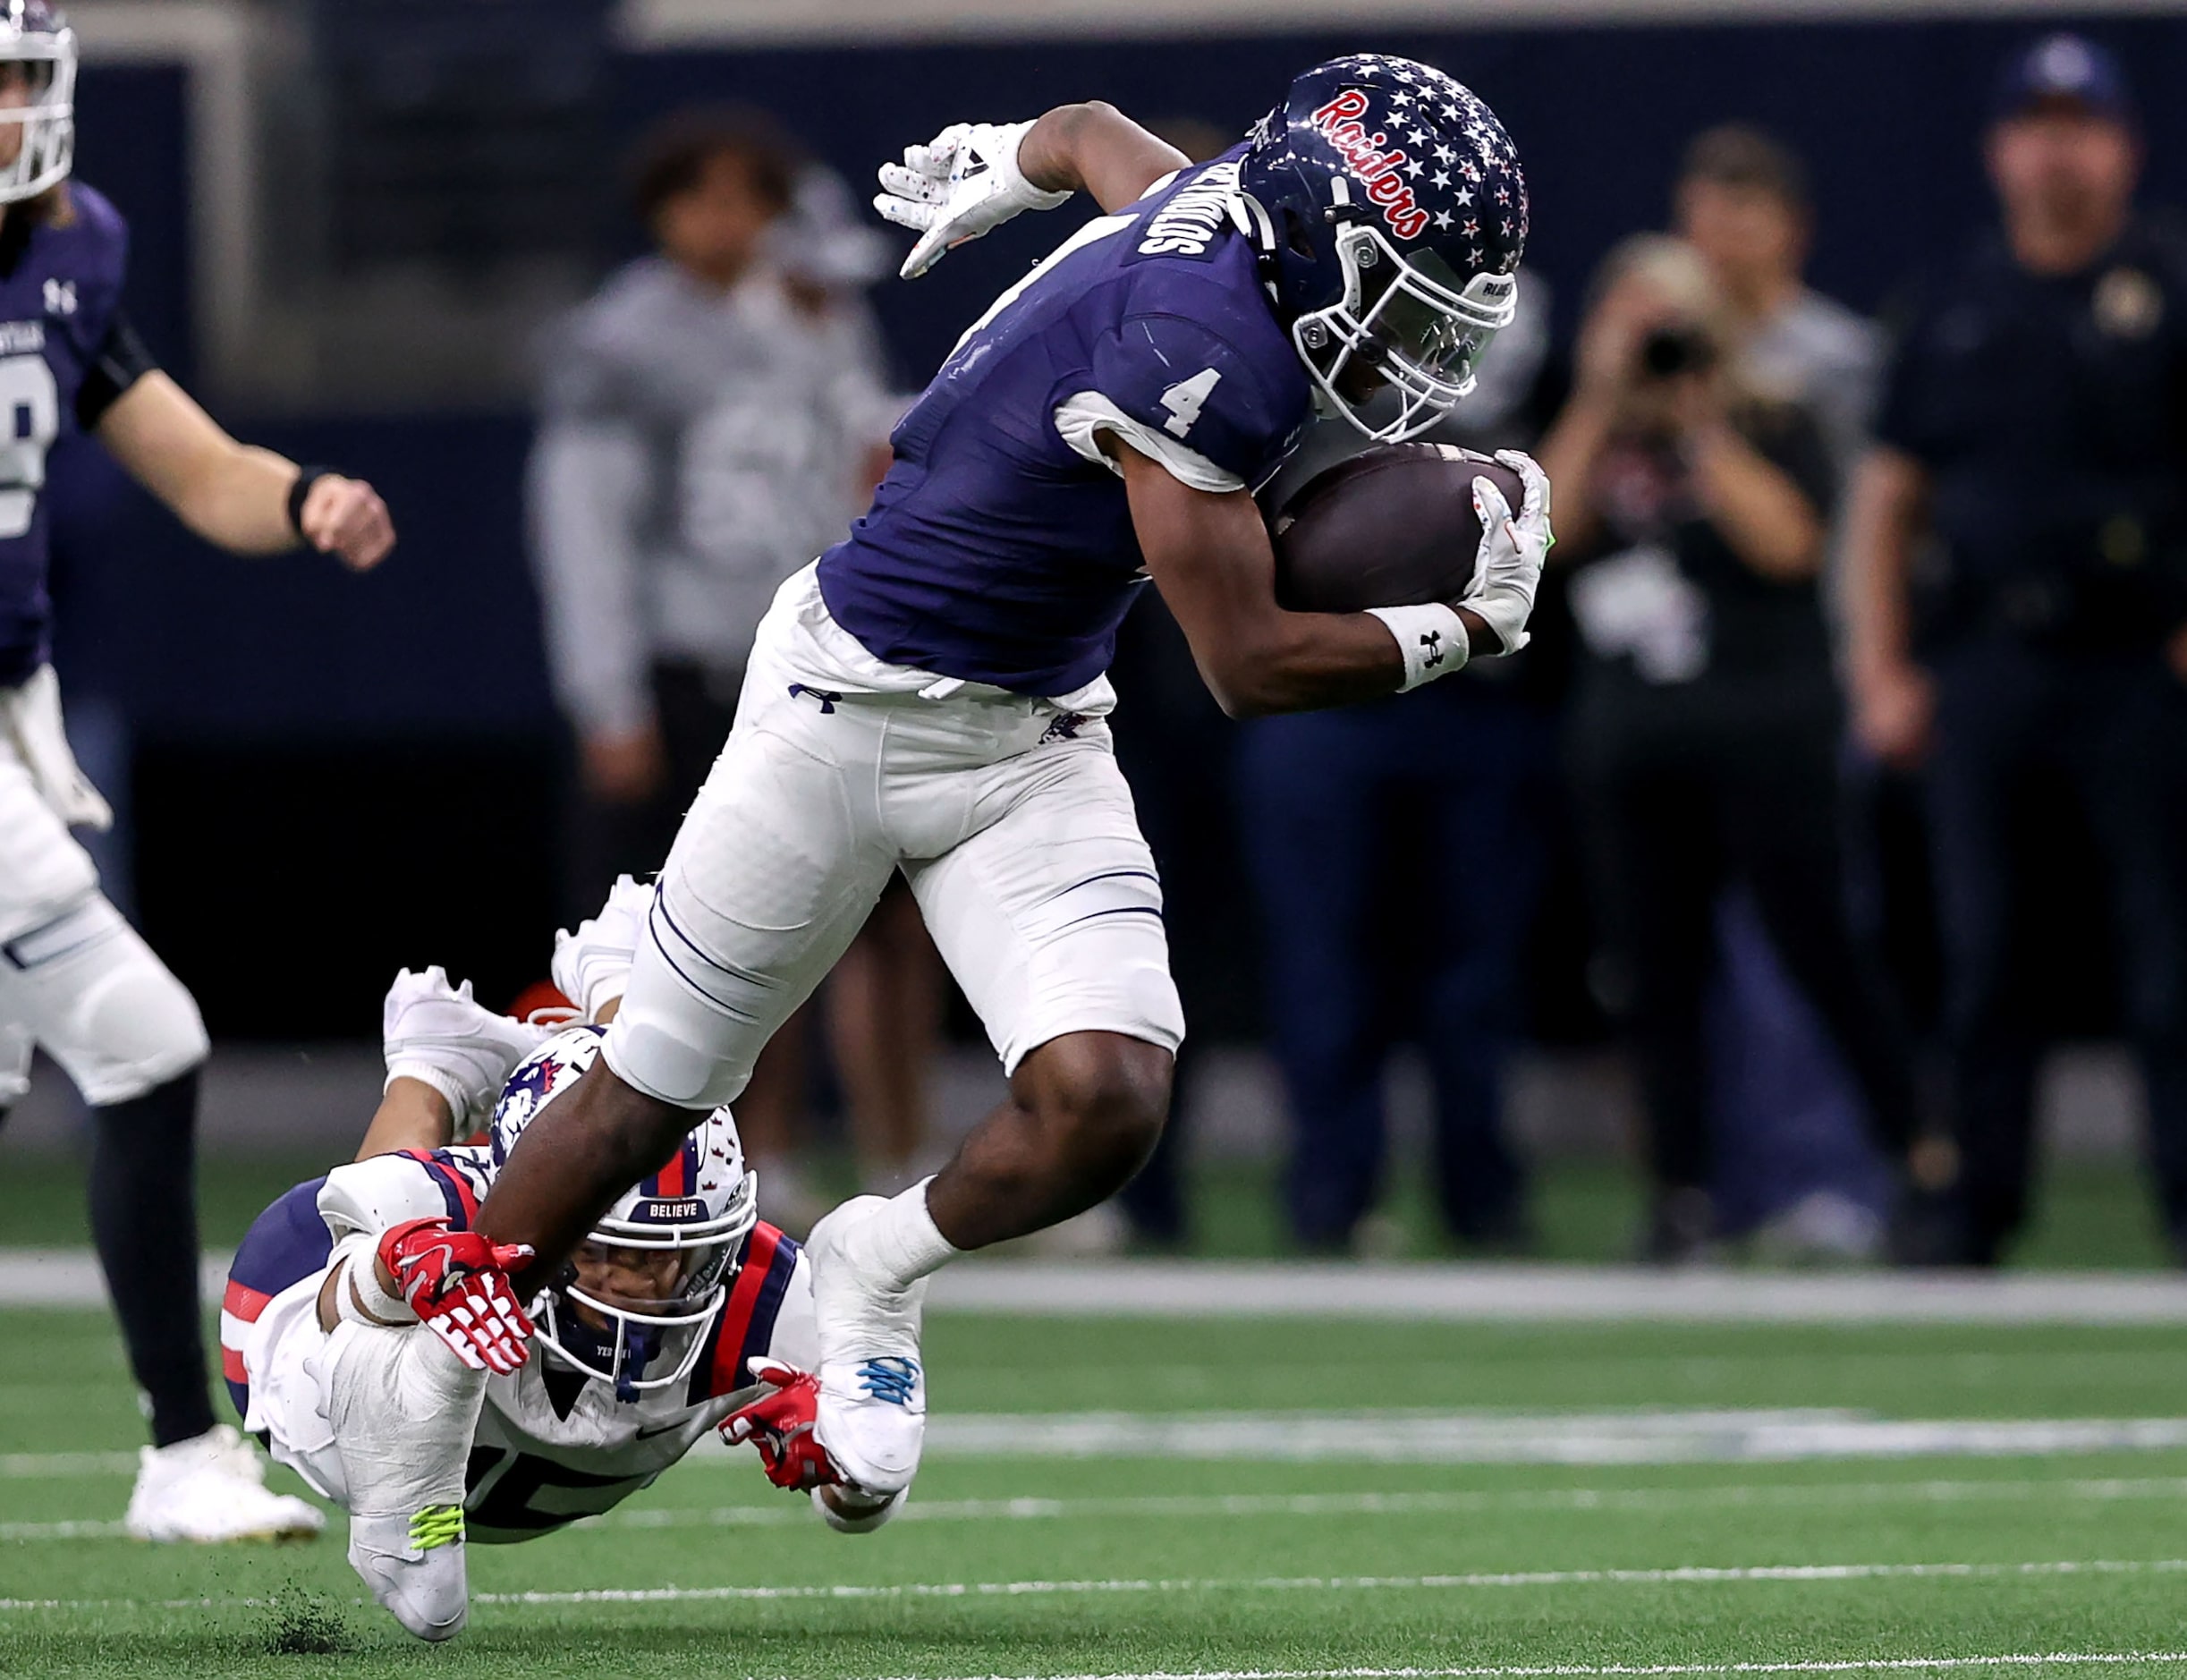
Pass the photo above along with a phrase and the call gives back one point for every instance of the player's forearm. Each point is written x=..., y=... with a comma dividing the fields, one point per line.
x=1093, y=148
x=412, y=1115
x=239, y=501
x=1883, y=517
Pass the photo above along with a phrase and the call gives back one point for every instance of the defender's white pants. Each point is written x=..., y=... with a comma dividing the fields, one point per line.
x=1008, y=817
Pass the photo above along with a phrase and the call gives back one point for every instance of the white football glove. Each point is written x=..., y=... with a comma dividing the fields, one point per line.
x=437, y=1033
x=593, y=965
x=958, y=186
x=1513, y=548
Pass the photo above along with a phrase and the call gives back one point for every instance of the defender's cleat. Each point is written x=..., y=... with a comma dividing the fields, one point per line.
x=416, y=1567
x=211, y=1489
x=872, y=1414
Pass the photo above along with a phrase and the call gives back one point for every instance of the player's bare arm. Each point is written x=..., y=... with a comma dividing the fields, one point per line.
x=1096, y=149
x=236, y=495
x=1210, y=557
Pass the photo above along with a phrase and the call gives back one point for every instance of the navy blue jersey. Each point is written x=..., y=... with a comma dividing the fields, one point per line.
x=999, y=548
x=60, y=296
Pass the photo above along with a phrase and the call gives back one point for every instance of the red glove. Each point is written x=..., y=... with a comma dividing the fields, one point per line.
x=779, y=1424
x=458, y=1283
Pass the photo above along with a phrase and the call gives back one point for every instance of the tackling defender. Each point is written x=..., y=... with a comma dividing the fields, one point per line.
x=679, y=1313
x=75, y=979
x=928, y=697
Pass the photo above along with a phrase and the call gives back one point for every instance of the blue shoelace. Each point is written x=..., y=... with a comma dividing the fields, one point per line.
x=890, y=1378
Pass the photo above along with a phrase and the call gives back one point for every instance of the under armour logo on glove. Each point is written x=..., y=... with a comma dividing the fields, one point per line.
x=457, y=1282
x=781, y=1424
x=1431, y=649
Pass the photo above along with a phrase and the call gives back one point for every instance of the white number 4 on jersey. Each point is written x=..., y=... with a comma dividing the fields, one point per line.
x=1186, y=399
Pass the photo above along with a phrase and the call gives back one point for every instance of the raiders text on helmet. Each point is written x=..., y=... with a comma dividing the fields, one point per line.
x=1392, y=215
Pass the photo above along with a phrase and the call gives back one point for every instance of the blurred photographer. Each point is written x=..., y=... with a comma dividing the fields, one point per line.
x=1706, y=723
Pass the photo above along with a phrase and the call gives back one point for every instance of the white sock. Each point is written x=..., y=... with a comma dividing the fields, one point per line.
x=901, y=1241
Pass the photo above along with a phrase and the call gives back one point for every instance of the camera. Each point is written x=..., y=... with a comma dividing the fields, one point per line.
x=1670, y=350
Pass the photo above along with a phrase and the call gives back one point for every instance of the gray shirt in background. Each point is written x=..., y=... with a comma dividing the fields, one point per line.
x=1820, y=356
x=695, y=448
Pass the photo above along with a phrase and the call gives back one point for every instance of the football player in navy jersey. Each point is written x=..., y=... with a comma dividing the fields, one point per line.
x=928, y=697
x=75, y=979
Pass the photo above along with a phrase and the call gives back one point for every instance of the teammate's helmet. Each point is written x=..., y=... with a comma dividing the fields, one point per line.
x=34, y=34
x=1391, y=213
x=697, y=1208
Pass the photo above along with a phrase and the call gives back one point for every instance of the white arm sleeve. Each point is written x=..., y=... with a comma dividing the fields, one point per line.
x=587, y=485
x=379, y=1193
x=1080, y=419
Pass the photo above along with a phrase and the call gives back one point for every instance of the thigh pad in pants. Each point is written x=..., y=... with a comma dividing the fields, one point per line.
x=1050, y=916
x=774, y=872
x=84, y=985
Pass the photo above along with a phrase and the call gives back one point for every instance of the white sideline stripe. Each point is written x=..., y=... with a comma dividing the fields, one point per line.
x=1691, y=1576
x=1458, y=1293
x=1647, y=1437
x=1420, y=1292
x=1581, y=1500
x=1445, y=1438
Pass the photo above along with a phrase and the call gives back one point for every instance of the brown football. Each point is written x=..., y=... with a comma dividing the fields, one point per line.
x=1393, y=527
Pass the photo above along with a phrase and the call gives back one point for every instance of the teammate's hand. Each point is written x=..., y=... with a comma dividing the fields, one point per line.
x=781, y=1424
x=457, y=1282
x=963, y=182
x=592, y=965
x=345, y=518
x=1513, y=550
x=437, y=1033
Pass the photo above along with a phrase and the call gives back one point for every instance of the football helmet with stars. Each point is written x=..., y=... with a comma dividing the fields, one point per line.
x=1391, y=213
x=676, y=1235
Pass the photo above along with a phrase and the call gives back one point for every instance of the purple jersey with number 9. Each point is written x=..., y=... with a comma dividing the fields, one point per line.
x=60, y=287
x=1000, y=548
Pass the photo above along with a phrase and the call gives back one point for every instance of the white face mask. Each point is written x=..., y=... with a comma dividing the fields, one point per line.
x=1414, y=322
x=47, y=117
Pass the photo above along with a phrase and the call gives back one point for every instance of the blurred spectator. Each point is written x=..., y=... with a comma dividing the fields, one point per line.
x=1421, y=810
x=2018, y=548
x=1792, y=1167
x=1706, y=724
x=1742, y=203
x=710, y=421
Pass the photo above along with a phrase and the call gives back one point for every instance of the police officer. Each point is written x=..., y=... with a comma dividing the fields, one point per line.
x=2030, y=450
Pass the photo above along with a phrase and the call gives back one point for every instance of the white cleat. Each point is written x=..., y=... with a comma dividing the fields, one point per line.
x=416, y=1568
x=212, y=1489
x=872, y=1414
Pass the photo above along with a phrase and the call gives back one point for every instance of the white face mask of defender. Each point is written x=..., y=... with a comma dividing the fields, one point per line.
x=47, y=117
x=638, y=1334
x=1411, y=321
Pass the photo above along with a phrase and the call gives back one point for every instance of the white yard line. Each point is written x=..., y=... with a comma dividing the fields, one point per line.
x=1793, y=1496
x=1692, y=1576
x=1547, y=1671
x=1425, y=1292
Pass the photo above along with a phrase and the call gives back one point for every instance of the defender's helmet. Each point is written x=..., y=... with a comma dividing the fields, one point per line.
x=697, y=1209
x=1391, y=213
x=34, y=34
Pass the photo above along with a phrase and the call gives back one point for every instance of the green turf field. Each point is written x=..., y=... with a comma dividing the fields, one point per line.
x=1281, y=1566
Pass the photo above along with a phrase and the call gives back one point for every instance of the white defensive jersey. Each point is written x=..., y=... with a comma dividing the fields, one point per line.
x=553, y=1444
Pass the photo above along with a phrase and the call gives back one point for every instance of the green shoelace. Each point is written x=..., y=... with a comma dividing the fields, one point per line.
x=437, y=1526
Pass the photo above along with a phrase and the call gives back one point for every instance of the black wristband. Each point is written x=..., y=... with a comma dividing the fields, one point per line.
x=306, y=477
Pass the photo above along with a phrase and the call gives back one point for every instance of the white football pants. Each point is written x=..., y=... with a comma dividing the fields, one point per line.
x=75, y=978
x=1008, y=817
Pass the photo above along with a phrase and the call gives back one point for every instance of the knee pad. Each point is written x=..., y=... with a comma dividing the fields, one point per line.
x=674, y=1044
x=15, y=1046
x=85, y=986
